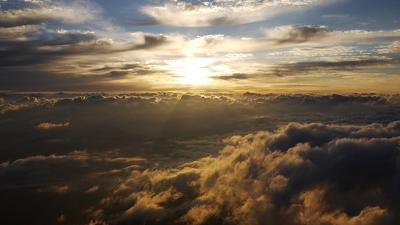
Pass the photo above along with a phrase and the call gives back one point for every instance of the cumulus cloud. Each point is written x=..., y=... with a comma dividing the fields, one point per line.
x=299, y=174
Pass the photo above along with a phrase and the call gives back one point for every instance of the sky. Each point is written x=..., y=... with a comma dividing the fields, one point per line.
x=230, y=45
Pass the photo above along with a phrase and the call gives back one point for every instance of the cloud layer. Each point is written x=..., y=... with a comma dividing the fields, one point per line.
x=134, y=157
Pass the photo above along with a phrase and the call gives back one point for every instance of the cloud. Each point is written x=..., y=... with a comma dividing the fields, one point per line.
x=47, y=125
x=296, y=34
x=46, y=46
x=325, y=68
x=235, y=76
x=390, y=49
x=156, y=116
x=299, y=174
x=71, y=58
x=75, y=12
x=92, y=189
x=341, y=65
x=59, y=189
x=169, y=167
x=78, y=170
x=213, y=13
x=30, y=46
x=296, y=41
x=281, y=36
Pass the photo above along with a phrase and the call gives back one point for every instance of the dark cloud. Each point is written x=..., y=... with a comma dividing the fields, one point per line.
x=47, y=46
x=304, y=67
x=150, y=41
x=167, y=117
x=37, y=58
x=312, y=67
x=320, y=174
x=60, y=180
x=23, y=21
x=126, y=69
x=116, y=74
x=14, y=18
x=235, y=76
x=297, y=34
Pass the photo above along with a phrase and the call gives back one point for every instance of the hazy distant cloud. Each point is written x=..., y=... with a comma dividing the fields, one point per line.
x=125, y=70
x=212, y=13
x=299, y=174
x=92, y=189
x=56, y=172
x=47, y=125
x=235, y=76
x=304, y=68
x=58, y=189
x=323, y=66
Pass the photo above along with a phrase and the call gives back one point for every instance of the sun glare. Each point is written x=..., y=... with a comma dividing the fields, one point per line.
x=193, y=71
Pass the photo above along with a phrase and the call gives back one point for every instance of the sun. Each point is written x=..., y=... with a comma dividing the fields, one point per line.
x=193, y=71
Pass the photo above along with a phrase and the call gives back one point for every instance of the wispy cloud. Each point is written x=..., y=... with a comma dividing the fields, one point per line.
x=75, y=12
x=212, y=13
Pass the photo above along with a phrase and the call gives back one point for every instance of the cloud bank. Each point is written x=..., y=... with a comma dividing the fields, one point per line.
x=300, y=174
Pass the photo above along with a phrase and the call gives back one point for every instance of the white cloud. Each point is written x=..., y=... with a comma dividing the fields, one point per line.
x=220, y=12
x=75, y=12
